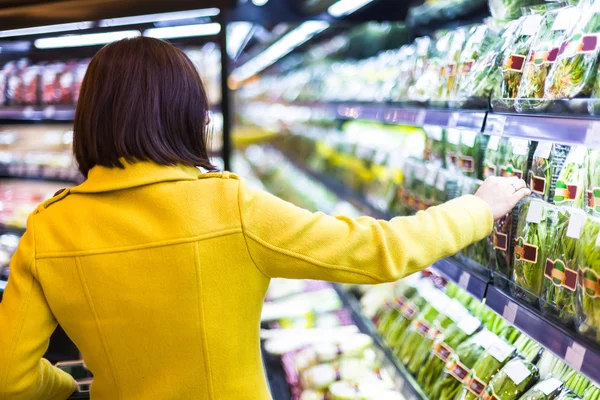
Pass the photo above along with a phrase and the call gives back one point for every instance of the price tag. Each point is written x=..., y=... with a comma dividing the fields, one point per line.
x=531, y=25
x=434, y=132
x=549, y=386
x=543, y=150
x=575, y=355
x=468, y=138
x=430, y=177
x=534, y=214
x=454, y=136
x=576, y=221
x=517, y=371
x=498, y=125
x=485, y=339
x=493, y=143
x=463, y=281
x=565, y=18
x=49, y=112
x=28, y=112
x=469, y=324
x=520, y=146
x=500, y=350
x=510, y=312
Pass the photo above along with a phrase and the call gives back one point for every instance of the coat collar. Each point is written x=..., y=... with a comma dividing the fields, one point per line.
x=103, y=179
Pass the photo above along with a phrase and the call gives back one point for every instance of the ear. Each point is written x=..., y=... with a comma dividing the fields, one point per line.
x=207, y=119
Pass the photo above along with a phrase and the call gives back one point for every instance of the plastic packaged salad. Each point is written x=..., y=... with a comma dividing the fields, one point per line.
x=471, y=152
x=548, y=161
x=504, y=10
x=588, y=290
x=517, y=158
x=485, y=74
x=544, y=51
x=592, y=185
x=501, y=242
x=450, y=62
x=514, y=59
x=449, y=383
x=515, y=378
x=413, y=59
x=572, y=178
x=435, y=146
x=533, y=237
x=429, y=83
x=493, y=160
x=547, y=389
x=495, y=357
x=480, y=40
x=574, y=72
x=452, y=148
x=560, y=274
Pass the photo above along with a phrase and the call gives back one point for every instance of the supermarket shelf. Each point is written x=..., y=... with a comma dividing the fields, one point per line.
x=474, y=283
x=38, y=113
x=9, y=229
x=38, y=174
x=582, y=355
x=408, y=386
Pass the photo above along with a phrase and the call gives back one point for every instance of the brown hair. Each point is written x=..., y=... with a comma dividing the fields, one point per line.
x=142, y=100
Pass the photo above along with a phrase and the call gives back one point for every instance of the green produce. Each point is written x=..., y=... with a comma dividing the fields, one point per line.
x=546, y=389
x=512, y=380
x=485, y=368
x=504, y=10
x=517, y=158
x=551, y=366
x=494, y=156
x=591, y=393
x=577, y=383
x=452, y=149
x=544, y=51
x=567, y=394
x=592, y=187
x=572, y=178
x=510, y=333
x=560, y=275
x=532, y=242
x=501, y=241
x=393, y=308
x=547, y=162
x=435, y=146
x=471, y=152
x=574, y=72
x=457, y=369
x=450, y=63
x=408, y=312
x=515, y=56
x=588, y=291
x=527, y=348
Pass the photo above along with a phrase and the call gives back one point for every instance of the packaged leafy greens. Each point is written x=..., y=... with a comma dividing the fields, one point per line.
x=577, y=383
x=592, y=185
x=517, y=158
x=429, y=84
x=449, y=69
x=504, y=10
x=591, y=393
x=443, y=348
x=515, y=56
x=501, y=242
x=494, y=156
x=551, y=366
x=485, y=368
x=532, y=240
x=527, y=348
x=548, y=160
x=560, y=275
x=448, y=385
x=574, y=72
x=570, y=184
x=512, y=380
x=588, y=290
x=547, y=389
x=453, y=140
x=435, y=144
x=544, y=52
x=393, y=307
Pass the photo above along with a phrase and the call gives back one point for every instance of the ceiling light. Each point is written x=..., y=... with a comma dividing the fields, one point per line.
x=173, y=32
x=259, y=3
x=279, y=49
x=150, y=18
x=90, y=39
x=345, y=7
x=38, y=30
x=237, y=35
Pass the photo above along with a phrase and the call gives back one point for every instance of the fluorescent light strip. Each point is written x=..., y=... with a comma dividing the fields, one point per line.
x=172, y=32
x=237, y=35
x=345, y=7
x=38, y=30
x=279, y=49
x=259, y=3
x=90, y=39
x=149, y=18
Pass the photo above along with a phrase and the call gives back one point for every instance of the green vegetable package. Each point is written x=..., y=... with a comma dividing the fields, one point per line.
x=547, y=389
x=504, y=10
x=572, y=178
x=547, y=163
x=577, y=383
x=574, y=72
x=511, y=381
x=532, y=240
x=517, y=158
x=592, y=186
x=592, y=393
x=588, y=290
x=449, y=69
x=493, y=159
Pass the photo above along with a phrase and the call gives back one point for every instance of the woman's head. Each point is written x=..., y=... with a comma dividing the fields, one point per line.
x=142, y=100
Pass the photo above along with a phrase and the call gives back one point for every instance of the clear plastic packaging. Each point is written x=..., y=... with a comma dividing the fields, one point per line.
x=588, y=290
x=572, y=178
x=548, y=160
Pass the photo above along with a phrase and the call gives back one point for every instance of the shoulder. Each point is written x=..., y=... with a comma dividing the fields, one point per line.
x=59, y=195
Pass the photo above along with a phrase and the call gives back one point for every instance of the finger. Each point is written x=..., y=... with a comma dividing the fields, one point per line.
x=519, y=184
x=519, y=194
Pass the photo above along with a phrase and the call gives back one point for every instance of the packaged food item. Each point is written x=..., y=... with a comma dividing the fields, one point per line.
x=592, y=185
x=577, y=383
x=572, y=178
x=515, y=57
x=429, y=84
x=517, y=158
x=471, y=149
x=551, y=366
x=560, y=275
x=502, y=245
x=588, y=290
x=505, y=10
x=450, y=62
x=548, y=161
x=567, y=394
x=408, y=312
x=546, y=389
x=453, y=140
x=514, y=379
x=544, y=53
x=495, y=154
x=458, y=367
x=495, y=357
x=591, y=393
x=393, y=307
x=527, y=348
x=533, y=238
x=574, y=72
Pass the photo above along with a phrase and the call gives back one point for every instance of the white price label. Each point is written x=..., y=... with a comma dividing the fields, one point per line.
x=28, y=112
x=517, y=371
x=453, y=120
x=434, y=132
x=520, y=146
x=577, y=155
x=469, y=324
x=468, y=138
x=49, y=112
x=454, y=136
x=510, y=312
x=420, y=117
x=500, y=350
x=576, y=221
x=575, y=355
x=534, y=214
x=493, y=143
x=463, y=281
x=531, y=25
x=549, y=386
x=430, y=177
x=565, y=19
x=543, y=150
x=485, y=339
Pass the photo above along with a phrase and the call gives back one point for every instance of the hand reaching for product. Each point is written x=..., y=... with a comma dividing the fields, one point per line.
x=502, y=194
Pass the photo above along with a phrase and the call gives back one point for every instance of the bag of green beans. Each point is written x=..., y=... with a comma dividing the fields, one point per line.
x=517, y=158
x=528, y=348
x=588, y=290
x=560, y=273
x=547, y=389
x=592, y=184
x=592, y=393
x=551, y=366
x=572, y=178
x=533, y=240
x=471, y=152
x=392, y=307
x=495, y=357
x=456, y=371
x=493, y=158
x=514, y=379
x=577, y=383
x=567, y=394
x=442, y=348
x=548, y=160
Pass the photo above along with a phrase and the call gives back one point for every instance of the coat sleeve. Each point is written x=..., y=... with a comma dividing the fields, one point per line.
x=289, y=242
x=26, y=325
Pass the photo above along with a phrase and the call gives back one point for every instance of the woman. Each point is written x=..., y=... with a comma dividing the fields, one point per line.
x=157, y=271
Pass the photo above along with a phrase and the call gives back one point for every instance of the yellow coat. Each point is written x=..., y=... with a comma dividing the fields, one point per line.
x=158, y=275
